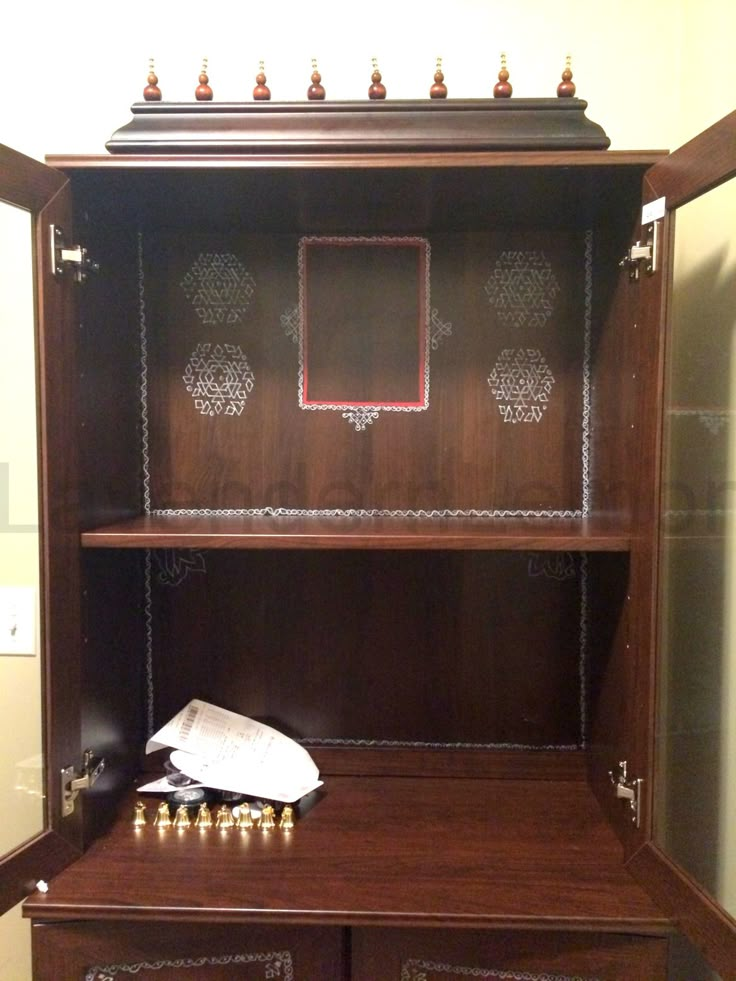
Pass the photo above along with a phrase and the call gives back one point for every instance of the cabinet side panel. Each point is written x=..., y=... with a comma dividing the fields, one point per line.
x=618, y=377
x=113, y=669
x=109, y=359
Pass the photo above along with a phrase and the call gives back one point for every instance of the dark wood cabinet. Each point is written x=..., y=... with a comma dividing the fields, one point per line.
x=366, y=445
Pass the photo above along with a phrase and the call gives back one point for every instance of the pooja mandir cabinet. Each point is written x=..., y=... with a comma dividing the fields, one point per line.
x=363, y=441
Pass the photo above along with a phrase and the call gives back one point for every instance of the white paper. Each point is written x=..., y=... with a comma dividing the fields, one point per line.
x=653, y=211
x=227, y=751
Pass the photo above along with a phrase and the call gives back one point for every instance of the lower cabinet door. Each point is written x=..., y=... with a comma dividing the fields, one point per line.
x=186, y=952
x=455, y=955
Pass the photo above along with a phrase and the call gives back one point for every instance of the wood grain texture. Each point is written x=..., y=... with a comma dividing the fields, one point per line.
x=513, y=853
x=395, y=955
x=172, y=952
x=542, y=534
x=43, y=857
x=25, y=182
x=436, y=648
x=338, y=127
x=701, y=164
x=693, y=911
x=418, y=160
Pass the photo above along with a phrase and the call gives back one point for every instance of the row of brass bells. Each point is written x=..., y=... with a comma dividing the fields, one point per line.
x=377, y=90
x=224, y=817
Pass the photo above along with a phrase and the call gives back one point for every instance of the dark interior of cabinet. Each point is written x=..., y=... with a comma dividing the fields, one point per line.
x=448, y=658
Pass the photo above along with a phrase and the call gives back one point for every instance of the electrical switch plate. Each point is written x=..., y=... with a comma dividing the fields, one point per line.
x=18, y=620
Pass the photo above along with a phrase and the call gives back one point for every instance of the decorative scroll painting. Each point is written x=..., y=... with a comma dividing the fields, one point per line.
x=364, y=349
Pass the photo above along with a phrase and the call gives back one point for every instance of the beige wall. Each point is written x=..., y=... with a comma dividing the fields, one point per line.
x=653, y=73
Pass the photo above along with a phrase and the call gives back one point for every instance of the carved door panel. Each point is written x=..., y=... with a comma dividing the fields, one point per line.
x=186, y=952
x=451, y=955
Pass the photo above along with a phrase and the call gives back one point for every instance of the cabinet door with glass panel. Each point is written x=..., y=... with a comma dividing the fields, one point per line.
x=689, y=864
x=38, y=629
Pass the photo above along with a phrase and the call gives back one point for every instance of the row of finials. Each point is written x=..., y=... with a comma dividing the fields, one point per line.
x=224, y=818
x=377, y=90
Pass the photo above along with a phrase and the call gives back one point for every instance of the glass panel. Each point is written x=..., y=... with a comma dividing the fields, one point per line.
x=21, y=761
x=695, y=791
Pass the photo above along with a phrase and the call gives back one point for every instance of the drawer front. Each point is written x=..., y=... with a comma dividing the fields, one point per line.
x=456, y=955
x=186, y=952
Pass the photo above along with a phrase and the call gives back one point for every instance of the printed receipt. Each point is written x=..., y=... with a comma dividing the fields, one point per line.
x=226, y=751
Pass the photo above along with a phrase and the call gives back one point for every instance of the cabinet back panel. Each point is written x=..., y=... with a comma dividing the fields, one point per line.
x=440, y=647
x=494, y=423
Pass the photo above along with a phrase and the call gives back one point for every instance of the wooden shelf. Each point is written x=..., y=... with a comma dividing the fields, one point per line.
x=523, y=534
x=533, y=853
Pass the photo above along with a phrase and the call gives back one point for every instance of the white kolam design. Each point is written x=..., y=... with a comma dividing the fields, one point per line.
x=552, y=565
x=276, y=964
x=361, y=417
x=521, y=383
x=174, y=565
x=419, y=970
x=219, y=379
x=522, y=289
x=290, y=323
x=220, y=287
x=439, y=329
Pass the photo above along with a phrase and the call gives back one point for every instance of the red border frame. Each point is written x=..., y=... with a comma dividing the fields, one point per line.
x=423, y=253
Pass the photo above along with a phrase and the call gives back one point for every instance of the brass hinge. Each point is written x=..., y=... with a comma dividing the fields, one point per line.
x=72, y=783
x=648, y=253
x=628, y=790
x=73, y=257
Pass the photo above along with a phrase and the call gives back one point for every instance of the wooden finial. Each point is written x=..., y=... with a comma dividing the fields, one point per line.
x=261, y=93
x=152, y=93
x=502, y=89
x=377, y=89
x=566, y=88
x=316, y=90
x=203, y=92
x=439, y=89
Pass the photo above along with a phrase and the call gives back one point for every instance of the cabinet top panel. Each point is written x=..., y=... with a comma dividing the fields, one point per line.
x=397, y=191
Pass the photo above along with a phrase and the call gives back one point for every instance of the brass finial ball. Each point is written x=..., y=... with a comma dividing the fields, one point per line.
x=261, y=93
x=502, y=89
x=203, y=92
x=152, y=93
x=438, y=90
x=566, y=88
x=377, y=89
x=316, y=90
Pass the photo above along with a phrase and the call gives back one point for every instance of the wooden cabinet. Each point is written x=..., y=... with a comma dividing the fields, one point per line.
x=364, y=444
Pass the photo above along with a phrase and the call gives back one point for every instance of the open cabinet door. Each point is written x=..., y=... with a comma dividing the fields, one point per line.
x=39, y=577
x=688, y=862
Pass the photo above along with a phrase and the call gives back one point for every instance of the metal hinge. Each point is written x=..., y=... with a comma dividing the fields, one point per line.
x=73, y=257
x=72, y=783
x=648, y=253
x=629, y=790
